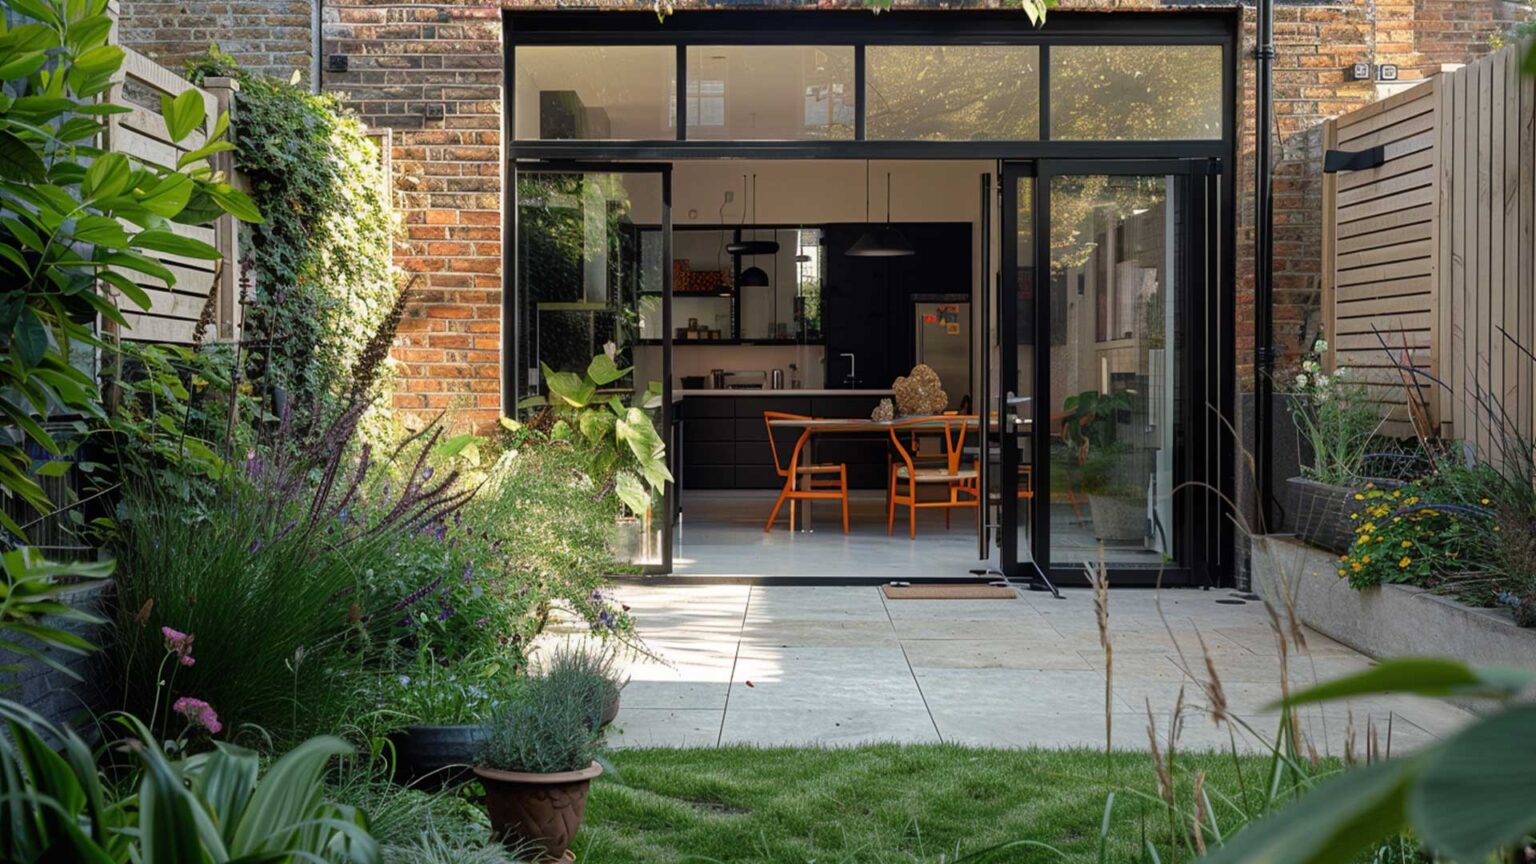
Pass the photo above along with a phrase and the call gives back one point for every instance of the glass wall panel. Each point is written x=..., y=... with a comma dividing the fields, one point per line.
x=587, y=92
x=1113, y=399
x=952, y=92
x=1135, y=92
x=770, y=92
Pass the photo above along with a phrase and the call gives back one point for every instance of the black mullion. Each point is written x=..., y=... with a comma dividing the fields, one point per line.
x=1044, y=80
x=682, y=92
x=1040, y=438
x=1007, y=372
x=669, y=491
x=860, y=104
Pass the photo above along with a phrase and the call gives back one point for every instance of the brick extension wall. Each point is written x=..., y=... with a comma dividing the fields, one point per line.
x=272, y=36
x=431, y=69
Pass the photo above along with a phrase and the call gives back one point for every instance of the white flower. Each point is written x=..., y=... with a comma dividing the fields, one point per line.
x=1309, y=366
x=1341, y=372
x=1320, y=346
x=1322, y=380
x=1301, y=380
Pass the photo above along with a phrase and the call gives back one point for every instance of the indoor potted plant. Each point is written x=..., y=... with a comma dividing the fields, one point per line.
x=1335, y=423
x=1118, y=507
x=446, y=708
x=537, y=765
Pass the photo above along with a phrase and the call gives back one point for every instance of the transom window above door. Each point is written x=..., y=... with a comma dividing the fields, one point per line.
x=933, y=91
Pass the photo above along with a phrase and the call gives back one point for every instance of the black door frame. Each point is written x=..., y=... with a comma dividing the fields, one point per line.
x=512, y=374
x=1216, y=361
x=1198, y=533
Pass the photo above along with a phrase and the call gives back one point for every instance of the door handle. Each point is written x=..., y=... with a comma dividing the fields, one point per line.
x=1010, y=419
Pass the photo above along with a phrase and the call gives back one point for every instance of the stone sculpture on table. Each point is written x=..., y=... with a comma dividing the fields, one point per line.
x=920, y=392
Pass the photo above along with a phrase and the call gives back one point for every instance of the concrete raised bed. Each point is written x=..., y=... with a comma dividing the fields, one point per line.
x=1389, y=620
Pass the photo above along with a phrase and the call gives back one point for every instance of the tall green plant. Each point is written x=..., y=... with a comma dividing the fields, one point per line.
x=74, y=217
x=625, y=446
x=1465, y=797
x=1334, y=416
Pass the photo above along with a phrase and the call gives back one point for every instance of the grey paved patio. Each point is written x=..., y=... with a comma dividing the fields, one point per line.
x=844, y=665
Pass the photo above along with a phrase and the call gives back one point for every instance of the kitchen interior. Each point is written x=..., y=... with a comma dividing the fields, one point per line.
x=771, y=312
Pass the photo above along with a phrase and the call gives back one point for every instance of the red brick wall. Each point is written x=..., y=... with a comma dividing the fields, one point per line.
x=431, y=69
x=273, y=36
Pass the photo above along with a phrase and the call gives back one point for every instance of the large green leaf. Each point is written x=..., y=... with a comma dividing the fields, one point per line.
x=108, y=175
x=1332, y=823
x=168, y=196
x=183, y=114
x=1419, y=676
x=225, y=780
x=235, y=203
x=632, y=492
x=603, y=371
x=286, y=797
x=571, y=388
x=1477, y=791
x=18, y=161
x=160, y=240
x=167, y=829
x=31, y=337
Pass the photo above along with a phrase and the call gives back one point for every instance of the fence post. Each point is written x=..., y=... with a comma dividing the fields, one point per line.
x=227, y=228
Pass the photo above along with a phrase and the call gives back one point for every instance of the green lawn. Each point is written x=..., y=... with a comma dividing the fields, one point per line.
x=885, y=803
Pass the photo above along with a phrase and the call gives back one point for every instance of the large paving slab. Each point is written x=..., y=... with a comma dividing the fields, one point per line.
x=839, y=665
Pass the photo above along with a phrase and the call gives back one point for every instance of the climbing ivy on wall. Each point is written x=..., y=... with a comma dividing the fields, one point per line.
x=321, y=262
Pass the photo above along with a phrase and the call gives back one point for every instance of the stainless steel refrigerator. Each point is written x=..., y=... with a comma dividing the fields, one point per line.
x=943, y=342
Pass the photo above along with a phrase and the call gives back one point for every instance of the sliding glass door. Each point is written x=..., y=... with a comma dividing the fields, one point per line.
x=590, y=278
x=1102, y=314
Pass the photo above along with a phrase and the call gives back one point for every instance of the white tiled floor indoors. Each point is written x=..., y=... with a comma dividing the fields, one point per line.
x=789, y=665
x=721, y=535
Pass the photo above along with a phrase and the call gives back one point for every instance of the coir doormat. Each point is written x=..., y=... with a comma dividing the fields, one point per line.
x=936, y=591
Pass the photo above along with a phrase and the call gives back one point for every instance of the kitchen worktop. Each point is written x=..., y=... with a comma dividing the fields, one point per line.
x=758, y=392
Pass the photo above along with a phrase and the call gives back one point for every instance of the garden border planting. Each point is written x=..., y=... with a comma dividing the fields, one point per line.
x=1385, y=620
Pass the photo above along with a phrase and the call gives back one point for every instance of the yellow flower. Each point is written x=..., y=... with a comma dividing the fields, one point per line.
x=1341, y=571
x=1359, y=497
x=1364, y=539
x=1354, y=515
x=1355, y=566
x=1397, y=493
x=1485, y=500
x=1404, y=562
x=1407, y=543
x=1377, y=538
x=1368, y=527
x=1365, y=560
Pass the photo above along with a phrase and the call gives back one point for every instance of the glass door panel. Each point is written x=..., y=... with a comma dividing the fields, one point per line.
x=590, y=279
x=1013, y=403
x=1114, y=398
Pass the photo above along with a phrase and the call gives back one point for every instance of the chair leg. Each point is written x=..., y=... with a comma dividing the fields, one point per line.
x=774, y=514
x=890, y=508
x=912, y=509
x=843, y=488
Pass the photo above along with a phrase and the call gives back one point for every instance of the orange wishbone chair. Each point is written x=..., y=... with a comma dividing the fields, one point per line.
x=818, y=483
x=960, y=481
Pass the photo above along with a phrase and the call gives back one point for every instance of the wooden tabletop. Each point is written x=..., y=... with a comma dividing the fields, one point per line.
x=865, y=424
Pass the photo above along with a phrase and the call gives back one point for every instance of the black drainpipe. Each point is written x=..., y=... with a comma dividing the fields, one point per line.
x=1263, y=261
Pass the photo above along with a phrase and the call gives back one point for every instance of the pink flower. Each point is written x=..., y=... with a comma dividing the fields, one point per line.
x=179, y=643
x=199, y=713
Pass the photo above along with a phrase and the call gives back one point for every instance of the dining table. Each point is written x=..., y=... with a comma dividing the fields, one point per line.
x=812, y=427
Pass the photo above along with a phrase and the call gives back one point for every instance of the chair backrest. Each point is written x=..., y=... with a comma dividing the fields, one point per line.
x=954, y=427
x=773, y=444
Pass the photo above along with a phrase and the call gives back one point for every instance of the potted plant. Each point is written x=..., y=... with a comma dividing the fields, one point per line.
x=1089, y=429
x=592, y=674
x=446, y=707
x=1335, y=422
x=1117, y=506
x=537, y=765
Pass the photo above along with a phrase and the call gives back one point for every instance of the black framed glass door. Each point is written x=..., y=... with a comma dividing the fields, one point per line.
x=590, y=276
x=1106, y=272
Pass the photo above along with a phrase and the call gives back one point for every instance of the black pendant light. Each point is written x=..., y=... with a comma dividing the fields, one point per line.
x=755, y=276
x=740, y=247
x=883, y=242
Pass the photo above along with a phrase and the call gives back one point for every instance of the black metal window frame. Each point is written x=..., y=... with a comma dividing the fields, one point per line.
x=1214, y=363
x=861, y=29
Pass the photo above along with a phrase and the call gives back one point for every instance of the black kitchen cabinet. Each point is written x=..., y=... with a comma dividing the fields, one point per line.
x=867, y=302
x=725, y=441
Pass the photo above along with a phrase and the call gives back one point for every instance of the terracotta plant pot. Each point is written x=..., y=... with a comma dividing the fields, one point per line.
x=432, y=757
x=539, y=811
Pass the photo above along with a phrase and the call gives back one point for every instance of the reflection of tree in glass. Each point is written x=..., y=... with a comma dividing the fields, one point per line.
x=1081, y=202
x=953, y=92
x=1135, y=92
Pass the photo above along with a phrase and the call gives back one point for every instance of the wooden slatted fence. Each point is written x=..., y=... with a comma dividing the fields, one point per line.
x=1431, y=251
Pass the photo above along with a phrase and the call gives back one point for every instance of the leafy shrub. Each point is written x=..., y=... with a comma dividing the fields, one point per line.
x=323, y=259
x=435, y=691
x=1404, y=535
x=77, y=217
x=548, y=731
